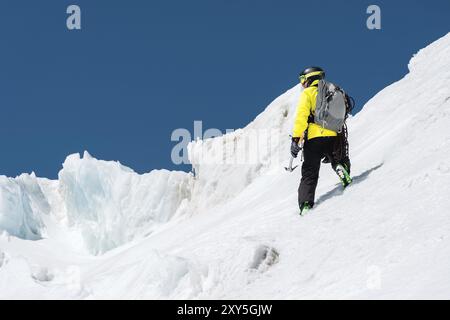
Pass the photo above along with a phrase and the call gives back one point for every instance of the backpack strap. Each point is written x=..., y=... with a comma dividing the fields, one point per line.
x=311, y=116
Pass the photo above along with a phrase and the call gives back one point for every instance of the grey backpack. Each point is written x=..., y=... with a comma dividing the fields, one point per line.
x=332, y=106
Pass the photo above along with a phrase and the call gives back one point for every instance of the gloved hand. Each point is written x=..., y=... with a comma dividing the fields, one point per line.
x=295, y=147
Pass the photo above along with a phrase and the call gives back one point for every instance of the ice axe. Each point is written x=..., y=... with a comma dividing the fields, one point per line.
x=290, y=168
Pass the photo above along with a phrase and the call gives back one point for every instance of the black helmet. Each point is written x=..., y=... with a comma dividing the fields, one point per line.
x=311, y=74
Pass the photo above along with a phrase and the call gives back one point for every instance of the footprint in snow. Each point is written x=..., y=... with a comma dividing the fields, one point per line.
x=264, y=258
x=42, y=274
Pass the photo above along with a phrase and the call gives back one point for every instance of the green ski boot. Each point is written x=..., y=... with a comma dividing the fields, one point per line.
x=343, y=174
x=304, y=208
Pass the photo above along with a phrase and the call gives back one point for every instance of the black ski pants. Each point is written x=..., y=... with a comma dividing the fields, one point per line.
x=314, y=151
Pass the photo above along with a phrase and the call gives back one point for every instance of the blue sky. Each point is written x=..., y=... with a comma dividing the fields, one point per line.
x=140, y=69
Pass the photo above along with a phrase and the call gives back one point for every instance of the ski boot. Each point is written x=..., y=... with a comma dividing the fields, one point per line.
x=343, y=174
x=304, y=208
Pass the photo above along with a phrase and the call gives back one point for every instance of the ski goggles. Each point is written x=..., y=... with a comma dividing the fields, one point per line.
x=302, y=78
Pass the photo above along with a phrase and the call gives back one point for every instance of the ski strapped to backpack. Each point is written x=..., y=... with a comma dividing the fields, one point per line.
x=332, y=107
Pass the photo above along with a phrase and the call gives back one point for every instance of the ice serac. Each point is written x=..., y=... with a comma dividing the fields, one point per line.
x=105, y=202
x=111, y=204
x=22, y=206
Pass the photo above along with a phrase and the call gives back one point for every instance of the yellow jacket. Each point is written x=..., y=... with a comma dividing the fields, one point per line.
x=307, y=106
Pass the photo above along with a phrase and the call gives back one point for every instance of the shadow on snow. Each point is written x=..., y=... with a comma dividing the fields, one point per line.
x=338, y=190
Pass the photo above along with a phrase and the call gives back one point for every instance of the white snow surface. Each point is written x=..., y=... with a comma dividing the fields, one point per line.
x=102, y=231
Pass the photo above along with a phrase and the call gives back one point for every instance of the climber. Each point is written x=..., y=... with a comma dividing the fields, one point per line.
x=317, y=142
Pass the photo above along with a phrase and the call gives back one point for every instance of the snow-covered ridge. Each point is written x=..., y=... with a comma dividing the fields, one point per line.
x=225, y=165
x=238, y=235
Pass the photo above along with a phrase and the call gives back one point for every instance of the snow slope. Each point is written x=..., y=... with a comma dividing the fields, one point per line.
x=102, y=231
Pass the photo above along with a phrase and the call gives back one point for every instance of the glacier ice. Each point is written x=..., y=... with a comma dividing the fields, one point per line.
x=22, y=206
x=112, y=205
x=108, y=203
